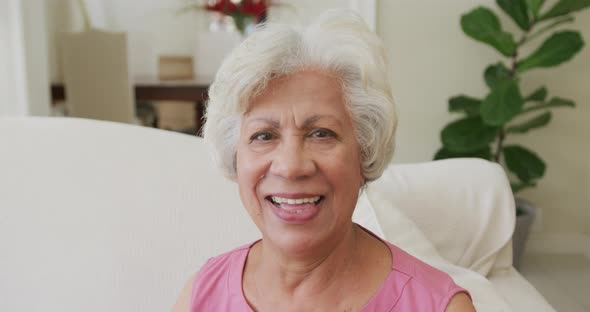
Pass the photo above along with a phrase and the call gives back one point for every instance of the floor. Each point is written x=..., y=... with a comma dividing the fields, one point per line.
x=563, y=279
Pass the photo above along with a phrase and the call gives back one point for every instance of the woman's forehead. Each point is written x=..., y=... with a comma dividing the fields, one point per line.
x=299, y=91
x=303, y=98
x=275, y=121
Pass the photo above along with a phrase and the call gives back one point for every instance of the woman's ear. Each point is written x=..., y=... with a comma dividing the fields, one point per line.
x=363, y=183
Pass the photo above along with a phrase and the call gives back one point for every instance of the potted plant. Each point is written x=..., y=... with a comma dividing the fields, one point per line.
x=507, y=109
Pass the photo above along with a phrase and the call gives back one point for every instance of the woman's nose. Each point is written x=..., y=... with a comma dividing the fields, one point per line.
x=292, y=160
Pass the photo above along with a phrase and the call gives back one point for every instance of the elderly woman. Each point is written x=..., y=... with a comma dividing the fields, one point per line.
x=302, y=120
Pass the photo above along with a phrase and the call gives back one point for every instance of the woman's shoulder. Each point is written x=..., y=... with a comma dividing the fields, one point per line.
x=422, y=282
x=414, y=271
x=215, y=276
x=222, y=264
x=224, y=260
x=211, y=281
x=419, y=271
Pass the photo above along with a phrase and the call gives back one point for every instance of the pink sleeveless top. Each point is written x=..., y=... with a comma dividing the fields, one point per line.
x=412, y=285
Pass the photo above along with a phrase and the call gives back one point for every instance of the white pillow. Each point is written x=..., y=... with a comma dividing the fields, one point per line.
x=365, y=216
x=403, y=232
x=463, y=206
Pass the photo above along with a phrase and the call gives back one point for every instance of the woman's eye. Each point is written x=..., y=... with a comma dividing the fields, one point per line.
x=321, y=133
x=261, y=136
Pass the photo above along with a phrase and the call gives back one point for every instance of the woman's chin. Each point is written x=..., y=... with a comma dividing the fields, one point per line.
x=294, y=243
x=292, y=238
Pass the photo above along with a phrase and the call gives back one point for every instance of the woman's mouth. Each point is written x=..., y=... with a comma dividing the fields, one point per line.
x=295, y=210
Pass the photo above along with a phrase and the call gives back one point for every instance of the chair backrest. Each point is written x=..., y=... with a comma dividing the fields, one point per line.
x=102, y=216
x=96, y=73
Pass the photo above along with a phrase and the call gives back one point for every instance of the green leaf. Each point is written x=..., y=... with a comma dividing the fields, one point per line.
x=525, y=164
x=517, y=9
x=560, y=47
x=535, y=6
x=538, y=95
x=443, y=153
x=555, y=23
x=468, y=135
x=465, y=104
x=519, y=186
x=495, y=73
x=502, y=104
x=564, y=7
x=483, y=25
x=554, y=102
x=557, y=101
x=535, y=122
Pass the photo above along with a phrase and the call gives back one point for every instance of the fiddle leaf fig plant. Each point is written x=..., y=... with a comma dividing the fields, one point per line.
x=507, y=109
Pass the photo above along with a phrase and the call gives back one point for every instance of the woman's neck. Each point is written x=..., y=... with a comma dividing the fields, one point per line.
x=318, y=270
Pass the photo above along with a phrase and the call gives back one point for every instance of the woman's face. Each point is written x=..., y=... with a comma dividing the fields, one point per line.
x=298, y=162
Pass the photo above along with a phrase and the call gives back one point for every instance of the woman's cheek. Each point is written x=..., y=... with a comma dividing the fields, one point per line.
x=250, y=171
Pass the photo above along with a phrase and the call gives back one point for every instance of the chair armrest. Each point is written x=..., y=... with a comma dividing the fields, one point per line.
x=517, y=291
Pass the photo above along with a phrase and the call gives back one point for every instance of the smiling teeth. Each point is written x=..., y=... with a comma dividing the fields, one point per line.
x=292, y=201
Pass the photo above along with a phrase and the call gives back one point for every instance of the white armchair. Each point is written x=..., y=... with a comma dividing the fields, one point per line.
x=101, y=216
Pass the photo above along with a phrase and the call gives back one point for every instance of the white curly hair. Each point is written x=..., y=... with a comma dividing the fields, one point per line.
x=339, y=42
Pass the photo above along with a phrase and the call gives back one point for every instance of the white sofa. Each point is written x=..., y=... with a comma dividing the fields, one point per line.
x=100, y=216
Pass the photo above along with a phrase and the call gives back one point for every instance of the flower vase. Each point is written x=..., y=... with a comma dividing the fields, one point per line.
x=221, y=23
x=214, y=45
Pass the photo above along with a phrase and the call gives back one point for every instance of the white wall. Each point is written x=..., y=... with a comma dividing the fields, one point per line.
x=64, y=16
x=155, y=27
x=12, y=62
x=24, y=84
x=433, y=60
x=37, y=66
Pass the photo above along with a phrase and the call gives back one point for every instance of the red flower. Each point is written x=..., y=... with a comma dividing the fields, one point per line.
x=257, y=8
x=253, y=7
x=222, y=6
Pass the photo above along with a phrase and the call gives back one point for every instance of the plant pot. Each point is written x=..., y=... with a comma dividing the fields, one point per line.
x=525, y=216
